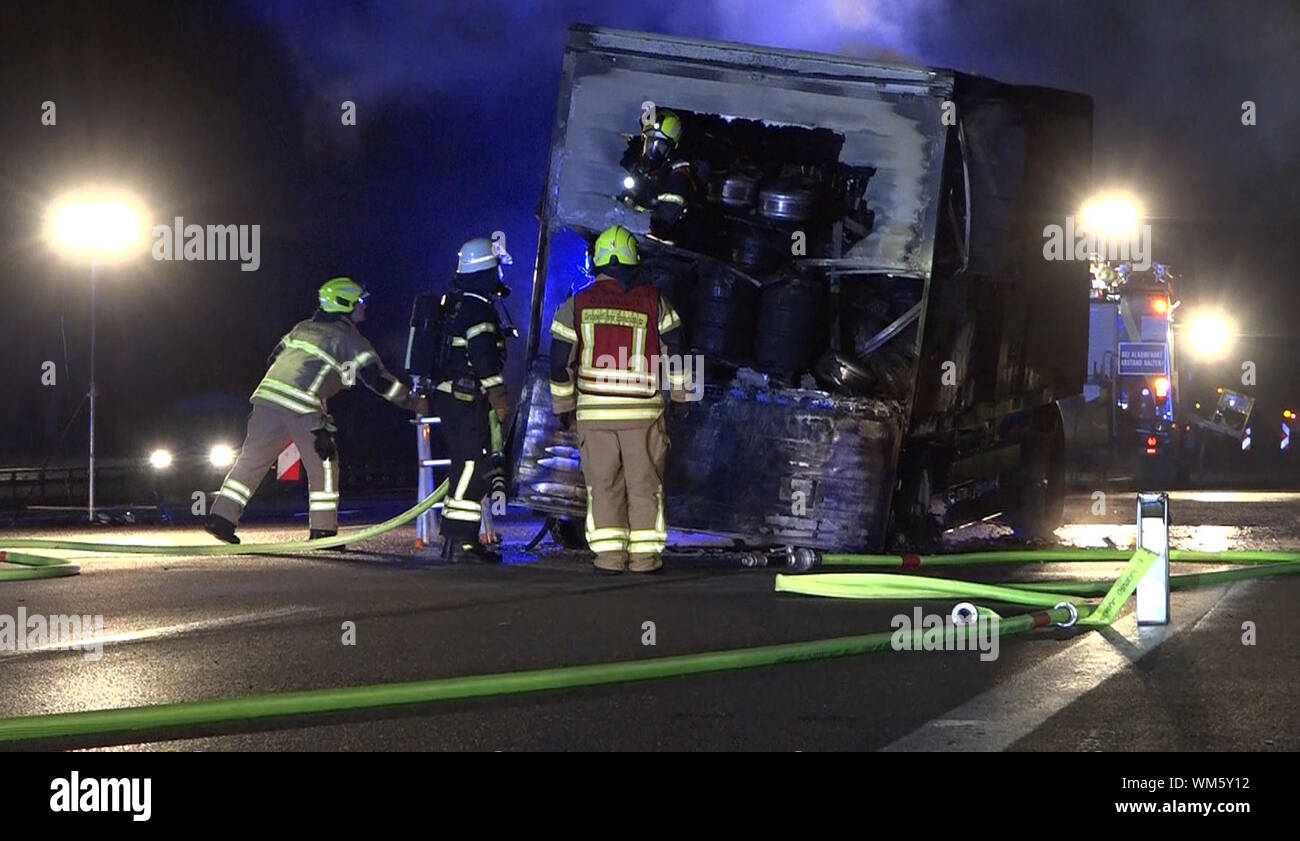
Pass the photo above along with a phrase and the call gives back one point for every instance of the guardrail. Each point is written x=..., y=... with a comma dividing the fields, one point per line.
x=134, y=483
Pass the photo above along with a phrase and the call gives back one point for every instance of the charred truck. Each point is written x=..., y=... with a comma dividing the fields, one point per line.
x=884, y=348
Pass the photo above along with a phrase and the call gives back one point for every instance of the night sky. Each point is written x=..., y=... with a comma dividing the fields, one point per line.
x=230, y=113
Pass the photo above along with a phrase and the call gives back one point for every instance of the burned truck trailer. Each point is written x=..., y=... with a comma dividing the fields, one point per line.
x=884, y=344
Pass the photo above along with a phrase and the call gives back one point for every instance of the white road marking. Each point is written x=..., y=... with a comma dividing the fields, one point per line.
x=997, y=718
x=1235, y=496
x=166, y=630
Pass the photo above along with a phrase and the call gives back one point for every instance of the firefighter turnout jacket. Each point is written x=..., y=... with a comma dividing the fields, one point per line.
x=315, y=360
x=470, y=369
x=608, y=346
x=675, y=188
x=472, y=359
x=320, y=357
x=668, y=193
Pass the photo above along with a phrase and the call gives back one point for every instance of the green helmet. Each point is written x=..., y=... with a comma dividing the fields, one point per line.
x=669, y=126
x=341, y=294
x=615, y=245
x=659, y=139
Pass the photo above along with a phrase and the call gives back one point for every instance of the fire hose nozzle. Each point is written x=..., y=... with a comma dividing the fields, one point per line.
x=793, y=557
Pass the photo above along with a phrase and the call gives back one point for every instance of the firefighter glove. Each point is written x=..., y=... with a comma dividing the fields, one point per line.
x=324, y=443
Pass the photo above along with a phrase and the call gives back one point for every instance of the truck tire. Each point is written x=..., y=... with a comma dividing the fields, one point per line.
x=1042, y=485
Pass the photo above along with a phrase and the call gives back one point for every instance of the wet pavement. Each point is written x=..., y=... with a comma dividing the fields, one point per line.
x=181, y=628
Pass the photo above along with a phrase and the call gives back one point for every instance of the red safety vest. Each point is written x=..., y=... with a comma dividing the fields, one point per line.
x=618, y=334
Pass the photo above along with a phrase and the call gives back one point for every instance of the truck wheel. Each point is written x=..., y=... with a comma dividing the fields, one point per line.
x=1042, y=485
x=571, y=534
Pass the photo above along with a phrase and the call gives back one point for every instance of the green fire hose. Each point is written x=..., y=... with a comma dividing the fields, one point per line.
x=1256, y=564
x=317, y=701
x=1060, y=603
x=908, y=587
x=34, y=566
x=238, y=549
x=134, y=719
x=1025, y=556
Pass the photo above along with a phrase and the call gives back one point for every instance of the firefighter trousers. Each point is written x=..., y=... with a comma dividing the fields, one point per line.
x=270, y=429
x=467, y=430
x=623, y=465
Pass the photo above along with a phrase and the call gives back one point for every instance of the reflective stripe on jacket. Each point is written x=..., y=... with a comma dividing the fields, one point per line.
x=317, y=359
x=614, y=338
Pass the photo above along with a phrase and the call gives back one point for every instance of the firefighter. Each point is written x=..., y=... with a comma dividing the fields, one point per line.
x=658, y=182
x=606, y=331
x=314, y=361
x=470, y=396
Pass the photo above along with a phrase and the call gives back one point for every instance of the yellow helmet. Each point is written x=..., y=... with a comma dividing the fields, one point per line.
x=341, y=294
x=617, y=245
x=659, y=139
x=668, y=126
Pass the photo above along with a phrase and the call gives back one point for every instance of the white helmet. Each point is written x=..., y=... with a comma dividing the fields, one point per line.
x=476, y=256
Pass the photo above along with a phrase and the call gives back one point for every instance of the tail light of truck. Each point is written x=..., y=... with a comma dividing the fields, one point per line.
x=1160, y=306
x=1152, y=441
x=1162, y=388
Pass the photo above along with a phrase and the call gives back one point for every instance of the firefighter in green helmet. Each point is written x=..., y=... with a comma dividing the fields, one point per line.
x=315, y=360
x=662, y=183
x=607, y=343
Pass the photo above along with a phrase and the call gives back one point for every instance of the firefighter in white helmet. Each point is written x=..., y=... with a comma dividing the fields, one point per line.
x=470, y=393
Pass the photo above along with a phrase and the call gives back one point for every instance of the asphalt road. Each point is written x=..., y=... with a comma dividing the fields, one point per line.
x=191, y=628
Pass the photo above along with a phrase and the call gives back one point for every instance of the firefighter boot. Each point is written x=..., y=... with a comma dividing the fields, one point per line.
x=475, y=552
x=221, y=528
x=645, y=563
x=320, y=534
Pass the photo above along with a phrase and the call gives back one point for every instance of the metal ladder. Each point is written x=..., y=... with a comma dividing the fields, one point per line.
x=426, y=525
